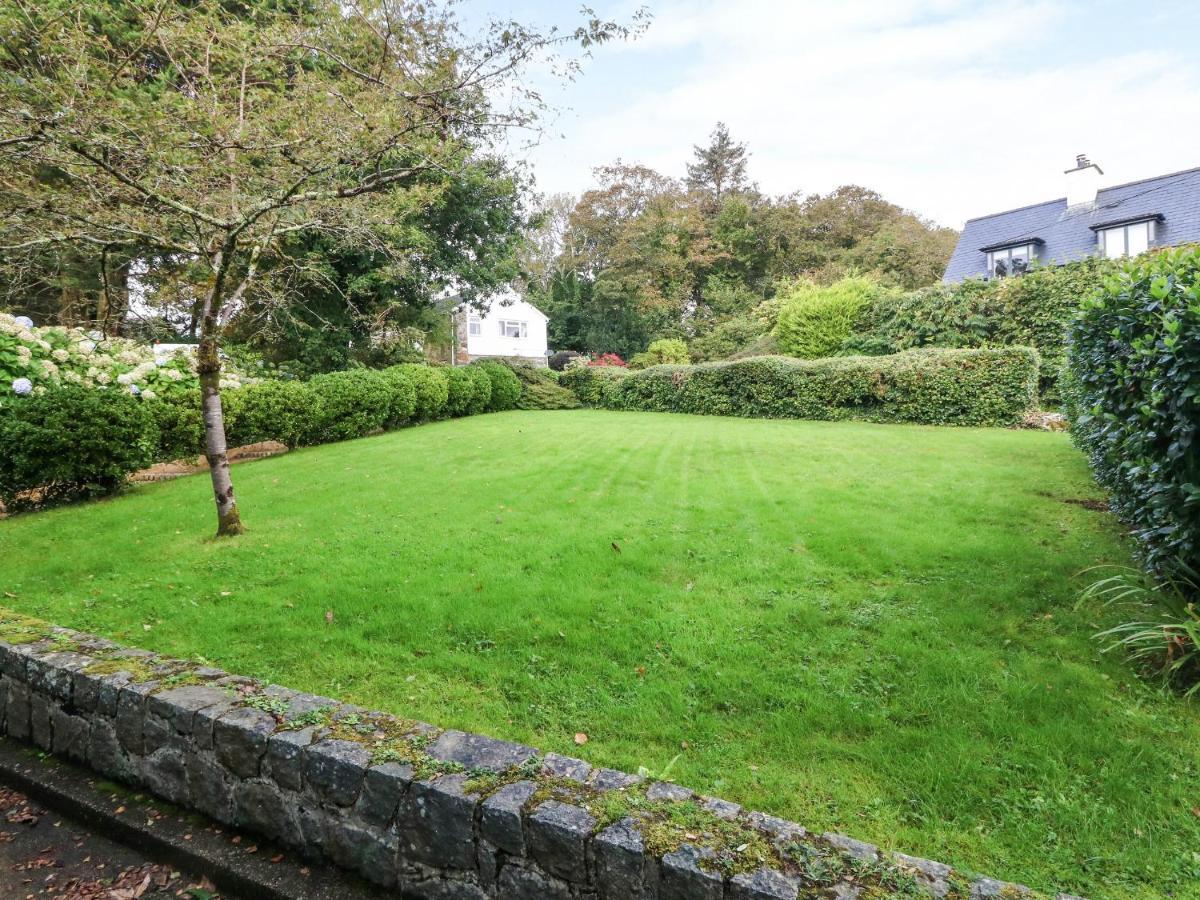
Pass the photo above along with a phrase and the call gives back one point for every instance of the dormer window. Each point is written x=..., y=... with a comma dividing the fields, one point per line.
x=1129, y=239
x=1005, y=261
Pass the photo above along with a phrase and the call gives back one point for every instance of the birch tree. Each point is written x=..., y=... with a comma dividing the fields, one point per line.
x=211, y=131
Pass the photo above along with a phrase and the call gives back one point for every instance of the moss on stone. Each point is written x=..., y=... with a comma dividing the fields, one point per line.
x=140, y=669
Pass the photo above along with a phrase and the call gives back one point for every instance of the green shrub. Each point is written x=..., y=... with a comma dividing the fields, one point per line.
x=665, y=351
x=505, y=386
x=268, y=411
x=402, y=399
x=180, y=424
x=815, y=321
x=1032, y=310
x=71, y=443
x=1133, y=383
x=591, y=383
x=469, y=391
x=540, y=389
x=728, y=338
x=938, y=387
x=347, y=405
x=431, y=388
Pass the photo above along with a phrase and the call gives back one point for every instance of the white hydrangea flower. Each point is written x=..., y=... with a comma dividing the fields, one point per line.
x=39, y=390
x=60, y=356
x=45, y=345
x=22, y=386
x=87, y=347
x=92, y=372
x=103, y=378
x=174, y=374
x=49, y=368
x=125, y=378
x=27, y=336
x=24, y=354
x=149, y=394
x=73, y=377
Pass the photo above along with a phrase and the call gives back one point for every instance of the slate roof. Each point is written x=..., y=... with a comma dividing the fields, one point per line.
x=1067, y=234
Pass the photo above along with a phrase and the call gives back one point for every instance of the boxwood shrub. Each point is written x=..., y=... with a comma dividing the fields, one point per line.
x=940, y=387
x=402, y=395
x=72, y=443
x=268, y=411
x=469, y=390
x=506, y=387
x=348, y=405
x=431, y=389
x=1132, y=385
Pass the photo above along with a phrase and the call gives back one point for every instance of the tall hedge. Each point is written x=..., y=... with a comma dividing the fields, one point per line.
x=1132, y=385
x=940, y=387
x=590, y=383
x=506, y=387
x=1033, y=310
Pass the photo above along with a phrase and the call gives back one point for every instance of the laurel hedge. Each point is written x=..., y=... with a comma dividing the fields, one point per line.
x=1132, y=392
x=936, y=387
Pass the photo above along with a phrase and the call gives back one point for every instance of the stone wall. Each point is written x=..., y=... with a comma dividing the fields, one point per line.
x=430, y=812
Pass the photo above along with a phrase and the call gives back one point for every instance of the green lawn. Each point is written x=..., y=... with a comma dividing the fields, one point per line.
x=867, y=628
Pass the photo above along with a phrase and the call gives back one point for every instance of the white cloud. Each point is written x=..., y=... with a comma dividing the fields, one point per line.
x=919, y=100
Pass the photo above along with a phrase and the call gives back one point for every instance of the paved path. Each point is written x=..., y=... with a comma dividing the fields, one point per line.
x=44, y=855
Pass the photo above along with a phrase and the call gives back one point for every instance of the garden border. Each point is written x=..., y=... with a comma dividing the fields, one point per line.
x=432, y=812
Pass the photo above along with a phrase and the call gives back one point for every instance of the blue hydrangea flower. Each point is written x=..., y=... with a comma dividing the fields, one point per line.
x=134, y=389
x=24, y=321
x=22, y=386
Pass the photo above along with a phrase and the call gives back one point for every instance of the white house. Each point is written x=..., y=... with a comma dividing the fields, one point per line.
x=511, y=328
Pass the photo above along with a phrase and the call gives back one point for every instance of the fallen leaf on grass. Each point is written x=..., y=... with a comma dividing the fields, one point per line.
x=581, y=738
x=615, y=547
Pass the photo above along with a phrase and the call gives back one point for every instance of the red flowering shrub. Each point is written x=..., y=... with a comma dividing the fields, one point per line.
x=607, y=359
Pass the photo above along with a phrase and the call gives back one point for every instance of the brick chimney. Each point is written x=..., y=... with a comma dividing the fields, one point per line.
x=1083, y=182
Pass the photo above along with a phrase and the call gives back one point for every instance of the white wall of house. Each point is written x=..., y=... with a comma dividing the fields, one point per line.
x=510, y=327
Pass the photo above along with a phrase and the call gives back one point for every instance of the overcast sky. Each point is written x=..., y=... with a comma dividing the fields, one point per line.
x=951, y=108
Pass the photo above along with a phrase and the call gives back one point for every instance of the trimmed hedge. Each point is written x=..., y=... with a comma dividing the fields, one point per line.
x=348, y=405
x=506, y=387
x=1131, y=386
x=72, y=443
x=469, y=391
x=936, y=387
x=591, y=383
x=1032, y=310
x=540, y=389
x=431, y=390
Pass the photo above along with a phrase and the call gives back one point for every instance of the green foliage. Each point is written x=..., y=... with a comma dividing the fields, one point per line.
x=540, y=389
x=815, y=321
x=1032, y=310
x=936, y=387
x=72, y=443
x=402, y=400
x=664, y=351
x=1164, y=639
x=1134, y=382
x=591, y=383
x=469, y=390
x=180, y=424
x=506, y=387
x=268, y=411
x=431, y=390
x=347, y=405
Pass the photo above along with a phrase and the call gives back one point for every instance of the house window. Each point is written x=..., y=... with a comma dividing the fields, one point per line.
x=474, y=325
x=510, y=328
x=1010, y=261
x=1126, y=240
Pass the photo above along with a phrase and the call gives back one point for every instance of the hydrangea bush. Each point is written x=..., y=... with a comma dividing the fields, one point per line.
x=34, y=359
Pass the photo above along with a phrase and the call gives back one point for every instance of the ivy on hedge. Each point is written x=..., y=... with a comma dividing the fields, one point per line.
x=1131, y=387
x=938, y=387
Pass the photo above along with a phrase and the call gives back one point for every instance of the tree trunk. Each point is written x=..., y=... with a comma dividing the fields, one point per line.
x=215, y=448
